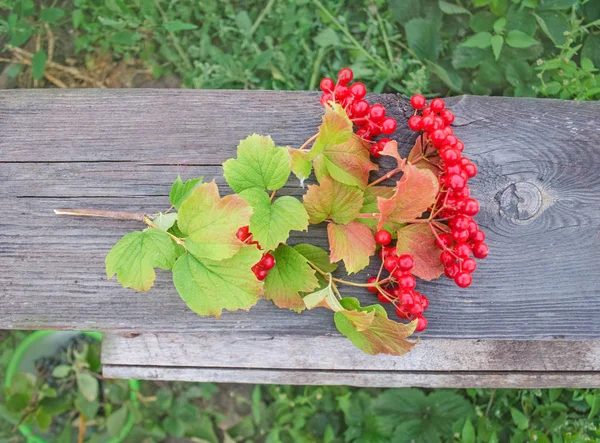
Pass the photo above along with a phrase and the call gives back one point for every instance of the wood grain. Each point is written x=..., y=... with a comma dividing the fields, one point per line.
x=121, y=149
x=373, y=379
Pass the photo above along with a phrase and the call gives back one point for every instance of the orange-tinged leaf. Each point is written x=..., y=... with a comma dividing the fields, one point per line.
x=418, y=240
x=415, y=192
x=432, y=161
x=335, y=129
x=210, y=222
x=391, y=149
x=353, y=243
x=332, y=199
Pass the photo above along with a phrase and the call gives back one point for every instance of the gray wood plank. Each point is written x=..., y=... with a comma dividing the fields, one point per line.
x=538, y=184
x=373, y=379
x=285, y=352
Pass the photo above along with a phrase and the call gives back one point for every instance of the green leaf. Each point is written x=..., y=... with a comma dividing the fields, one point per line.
x=499, y=25
x=136, y=255
x=499, y=7
x=51, y=15
x=125, y=38
x=452, y=8
x=290, y=277
x=211, y=222
x=554, y=24
x=556, y=4
x=518, y=39
x=271, y=223
x=482, y=21
x=327, y=37
x=519, y=418
x=38, y=64
x=323, y=297
x=174, y=427
x=301, y=165
x=116, y=421
x=209, y=286
x=332, y=199
x=468, y=432
x=449, y=77
x=339, y=153
x=43, y=419
x=180, y=191
x=61, y=371
x=353, y=243
x=591, y=49
x=78, y=18
x=370, y=330
x=481, y=40
x=164, y=222
x=497, y=43
x=316, y=256
x=465, y=57
x=87, y=385
x=259, y=164
x=423, y=38
x=178, y=25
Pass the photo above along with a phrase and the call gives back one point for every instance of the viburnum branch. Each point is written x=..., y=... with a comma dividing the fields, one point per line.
x=385, y=177
x=308, y=142
x=102, y=213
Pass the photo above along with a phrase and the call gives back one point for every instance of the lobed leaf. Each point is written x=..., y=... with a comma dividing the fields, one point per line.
x=259, y=164
x=210, y=222
x=271, y=223
x=317, y=256
x=300, y=163
x=180, y=191
x=332, y=199
x=415, y=192
x=291, y=276
x=324, y=298
x=209, y=286
x=164, y=222
x=418, y=240
x=135, y=256
x=391, y=150
x=370, y=329
x=353, y=243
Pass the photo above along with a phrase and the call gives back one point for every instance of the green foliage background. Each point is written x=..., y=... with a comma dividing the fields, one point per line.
x=543, y=48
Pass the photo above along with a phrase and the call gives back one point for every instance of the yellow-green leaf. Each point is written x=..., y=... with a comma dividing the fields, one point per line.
x=317, y=256
x=136, y=255
x=210, y=222
x=209, y=286
x=332, y=199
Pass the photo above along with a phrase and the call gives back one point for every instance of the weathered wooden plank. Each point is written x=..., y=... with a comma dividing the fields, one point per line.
x=374, y=379
x=284, y=352
x=538, y=184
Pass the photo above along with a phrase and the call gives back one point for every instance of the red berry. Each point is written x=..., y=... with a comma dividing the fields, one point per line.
x=450, y=139
x=327, y=85
x=383, y=237
x=449, y=155
x=478, y=236
x=261, y=274
x=455, y=181
x=480, y=250
x=372, y=280
x=447, y=258
x=386, y=252
x=383, y=298
x=444, y=241
x=460, y=222
x=452, y=271
x=375, y=149
x=363, y=133
x=438, y=137
x=345, y=76
x=341, y=92
x=390, y=263
x=462, y=250
x=417, y=101
x=470, y=169
x=414, y=122
x=405, y=262
x=377, y=112
x=267, y=262
x=471, y=207
x=402, y=312
x=427, y=112
x=424, y=301
x=358, y=90
x=460, y=235
x=416, y=309
x=243, y=233
x=388, y=126
x=360, y=108
x=463, y=279
x=373, y=128
x=421, y=324
x=407, y=281
x=428, y=123
x=469, y=265
x=460, y=146
x=437, y=105
x=406, y=299
x=447, y=116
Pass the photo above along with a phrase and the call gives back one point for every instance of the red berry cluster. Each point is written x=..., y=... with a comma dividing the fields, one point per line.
x=370, y=120
x=267, y=261
x=399, y=287
x=454, y=203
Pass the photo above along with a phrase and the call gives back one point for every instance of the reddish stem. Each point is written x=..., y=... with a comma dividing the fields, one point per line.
x=385, y=177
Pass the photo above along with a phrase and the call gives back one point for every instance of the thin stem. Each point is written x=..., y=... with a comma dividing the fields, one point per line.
x=308, y=142
x=82, y=429
x=260, y=18
x=272, y=197
x=349, y=36
x=176, y=239
x=178, y=48
x=361, y=285
x=118, y=215
x=385, y=177
x=386, y=41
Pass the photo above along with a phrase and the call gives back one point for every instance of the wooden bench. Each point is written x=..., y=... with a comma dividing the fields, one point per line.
x=531, y=318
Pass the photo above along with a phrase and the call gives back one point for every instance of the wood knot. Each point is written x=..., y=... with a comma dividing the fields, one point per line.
x=521, y=201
